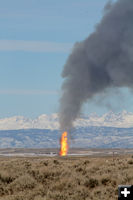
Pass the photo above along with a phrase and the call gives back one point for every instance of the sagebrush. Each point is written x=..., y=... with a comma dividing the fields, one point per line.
x=64, y=178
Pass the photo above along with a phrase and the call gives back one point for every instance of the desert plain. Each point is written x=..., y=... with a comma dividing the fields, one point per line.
x=51, y=177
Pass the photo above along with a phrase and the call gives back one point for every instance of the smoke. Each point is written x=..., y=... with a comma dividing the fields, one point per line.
x=101, y=62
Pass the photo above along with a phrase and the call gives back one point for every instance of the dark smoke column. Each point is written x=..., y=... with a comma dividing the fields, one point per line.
x=102, y=61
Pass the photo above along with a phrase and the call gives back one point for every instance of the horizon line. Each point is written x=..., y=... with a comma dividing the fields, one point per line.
x=28, y=92
x=35, y=46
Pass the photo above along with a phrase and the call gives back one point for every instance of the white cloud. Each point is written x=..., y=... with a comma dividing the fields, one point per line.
x=29, y=92
x=34, y=46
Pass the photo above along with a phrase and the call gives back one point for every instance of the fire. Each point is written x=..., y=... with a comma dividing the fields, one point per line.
x=64, y=144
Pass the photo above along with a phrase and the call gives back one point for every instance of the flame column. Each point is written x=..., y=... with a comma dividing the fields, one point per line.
x=64, y=144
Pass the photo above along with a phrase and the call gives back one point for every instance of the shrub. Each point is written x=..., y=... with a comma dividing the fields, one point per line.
x=91, y=183
x=23, y=182
x=63, y=178
x=80, y=169
x=105, y=180
x=5, y=177
x=130, y=162
x=56, y=162
x=86, y=162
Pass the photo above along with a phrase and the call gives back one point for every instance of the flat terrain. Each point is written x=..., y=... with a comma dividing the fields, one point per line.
x=64, y=178
x=22, y=152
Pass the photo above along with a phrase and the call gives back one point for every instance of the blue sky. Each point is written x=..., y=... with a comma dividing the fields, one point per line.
x=36, y=38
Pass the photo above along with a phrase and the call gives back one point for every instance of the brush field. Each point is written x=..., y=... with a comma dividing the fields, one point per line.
x=64, y=178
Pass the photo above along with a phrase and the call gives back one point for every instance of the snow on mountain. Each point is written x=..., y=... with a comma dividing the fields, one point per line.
x=123, y=120
x=107, y=131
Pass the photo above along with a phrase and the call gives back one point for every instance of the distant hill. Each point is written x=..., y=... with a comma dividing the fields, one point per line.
x=81, y=137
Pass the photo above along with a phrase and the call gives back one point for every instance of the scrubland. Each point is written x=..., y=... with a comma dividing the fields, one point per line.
x=64, y=178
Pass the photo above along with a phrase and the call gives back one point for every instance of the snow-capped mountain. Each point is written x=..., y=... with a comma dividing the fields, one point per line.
x=107, y=131
x=122, y=120
x=83, y=137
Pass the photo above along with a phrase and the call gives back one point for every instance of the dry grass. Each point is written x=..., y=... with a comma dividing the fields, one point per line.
x=67, y=178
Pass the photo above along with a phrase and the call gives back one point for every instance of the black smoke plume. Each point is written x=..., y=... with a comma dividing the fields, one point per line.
x=101, y=62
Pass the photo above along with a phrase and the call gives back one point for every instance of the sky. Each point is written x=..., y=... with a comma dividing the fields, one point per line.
x=36, y=38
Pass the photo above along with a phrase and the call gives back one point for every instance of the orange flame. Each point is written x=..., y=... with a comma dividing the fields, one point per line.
x=64, y=144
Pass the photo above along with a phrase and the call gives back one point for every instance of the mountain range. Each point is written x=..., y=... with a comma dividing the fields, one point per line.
x=121, y=120
x=108, y=131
